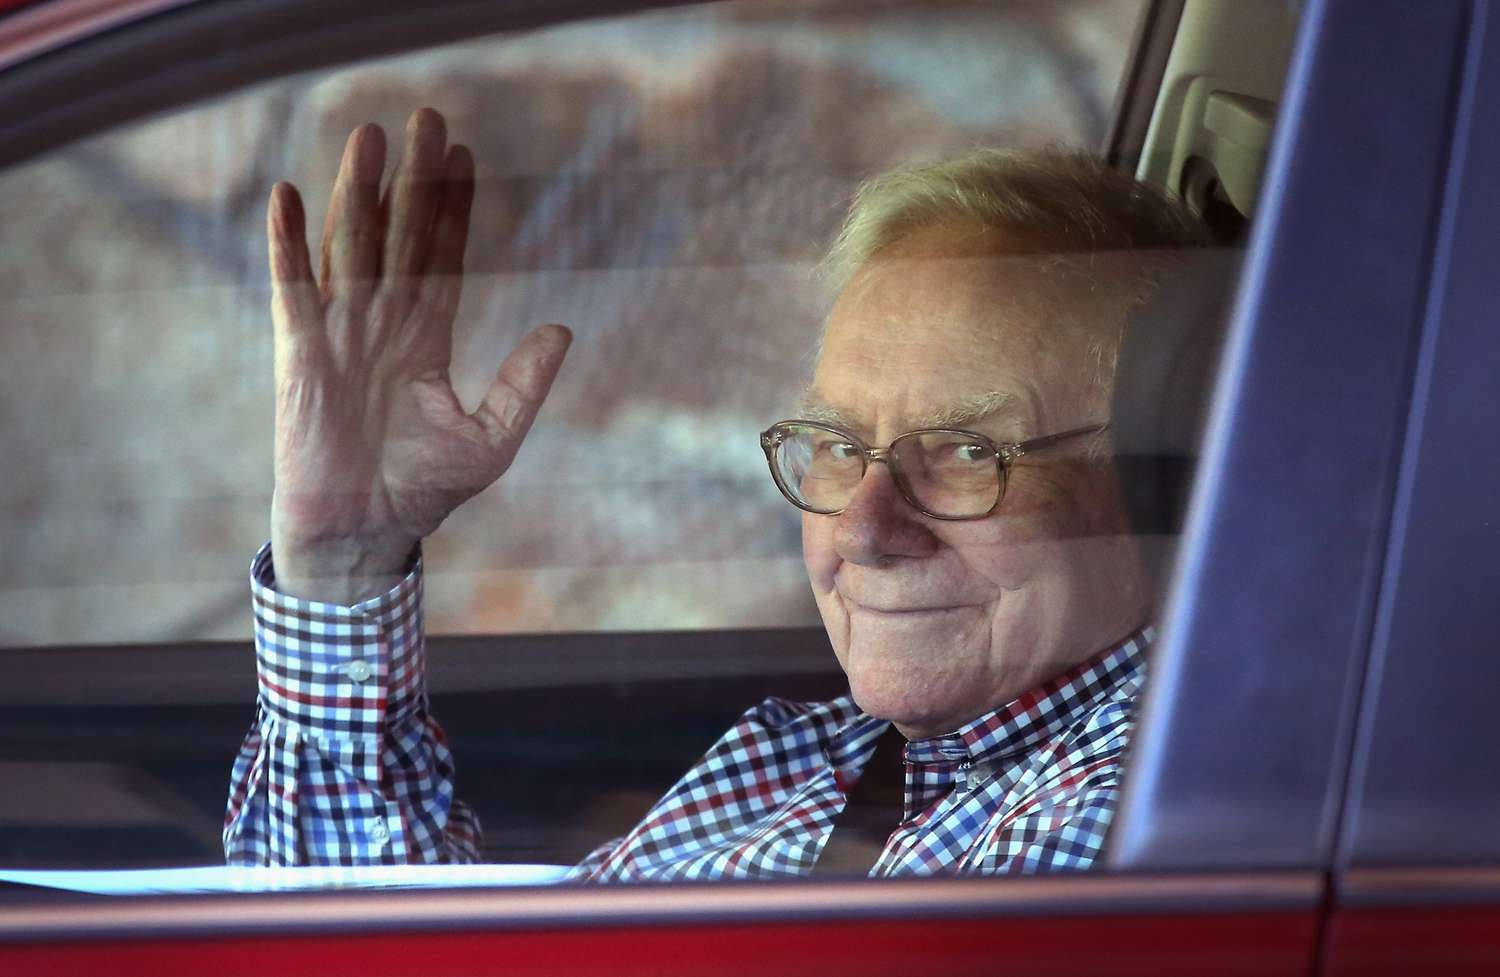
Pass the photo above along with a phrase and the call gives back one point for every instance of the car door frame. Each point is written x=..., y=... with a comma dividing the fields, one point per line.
x=1221, y=855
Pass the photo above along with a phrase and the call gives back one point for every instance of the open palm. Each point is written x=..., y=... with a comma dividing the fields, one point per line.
x=373, y=448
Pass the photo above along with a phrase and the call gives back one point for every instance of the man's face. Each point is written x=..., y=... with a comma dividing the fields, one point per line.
x=938, y=622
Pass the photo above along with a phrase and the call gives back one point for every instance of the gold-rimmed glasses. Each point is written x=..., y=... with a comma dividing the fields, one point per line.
x=944, y=473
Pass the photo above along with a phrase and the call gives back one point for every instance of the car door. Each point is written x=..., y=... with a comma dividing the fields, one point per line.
x=1415, y=879
x=1236, y=829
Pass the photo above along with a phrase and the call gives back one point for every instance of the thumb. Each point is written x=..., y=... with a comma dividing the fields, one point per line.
x=512, y=402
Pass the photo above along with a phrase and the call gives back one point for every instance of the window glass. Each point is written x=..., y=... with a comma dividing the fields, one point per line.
x=662, y=183
x=666, y=184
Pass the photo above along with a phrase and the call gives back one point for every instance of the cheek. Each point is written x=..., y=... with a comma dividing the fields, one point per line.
x=1007, y=554
x=822, y=563
x=1042, y=515
x=818, y=551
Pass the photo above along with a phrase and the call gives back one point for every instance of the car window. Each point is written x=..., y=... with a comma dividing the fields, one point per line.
x=667, y=185
x=667, y=182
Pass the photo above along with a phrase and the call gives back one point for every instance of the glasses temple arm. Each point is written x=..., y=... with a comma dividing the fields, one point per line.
x=1013, y=451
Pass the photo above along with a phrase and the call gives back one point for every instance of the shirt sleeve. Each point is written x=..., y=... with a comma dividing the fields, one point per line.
x=343, y=765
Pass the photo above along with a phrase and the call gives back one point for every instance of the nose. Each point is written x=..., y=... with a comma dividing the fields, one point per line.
x=879, y=524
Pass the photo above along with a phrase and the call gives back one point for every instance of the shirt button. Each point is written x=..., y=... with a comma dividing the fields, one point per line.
x=963, y=774
x=359, y=670
x=379, y=833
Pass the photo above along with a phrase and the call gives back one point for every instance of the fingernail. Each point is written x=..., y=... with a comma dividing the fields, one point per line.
x=559, y=335
x=460, y=163
x=287, y=204
x=427, y=132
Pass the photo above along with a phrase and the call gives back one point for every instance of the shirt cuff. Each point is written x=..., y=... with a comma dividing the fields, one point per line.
x=343, y=671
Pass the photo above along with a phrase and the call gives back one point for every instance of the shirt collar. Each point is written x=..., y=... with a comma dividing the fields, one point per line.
x=933, y=765
x=1044, y=712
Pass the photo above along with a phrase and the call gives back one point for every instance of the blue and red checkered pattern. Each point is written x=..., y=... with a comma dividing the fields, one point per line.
x=344, y=766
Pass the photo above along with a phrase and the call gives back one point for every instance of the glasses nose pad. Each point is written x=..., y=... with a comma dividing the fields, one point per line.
x=898, y=475
x=865, y=494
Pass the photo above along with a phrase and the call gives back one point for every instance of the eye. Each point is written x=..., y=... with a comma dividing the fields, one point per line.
x=829, y=449
x=958, y=455
x=842, y=450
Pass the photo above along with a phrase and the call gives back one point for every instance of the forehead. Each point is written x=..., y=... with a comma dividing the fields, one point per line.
x=929, y=339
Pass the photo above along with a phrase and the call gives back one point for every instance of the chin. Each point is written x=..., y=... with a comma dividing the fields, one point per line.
x=922, y=672
x=904, y=696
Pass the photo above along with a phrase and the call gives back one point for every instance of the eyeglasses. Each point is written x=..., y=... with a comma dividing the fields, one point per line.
x=942, y=473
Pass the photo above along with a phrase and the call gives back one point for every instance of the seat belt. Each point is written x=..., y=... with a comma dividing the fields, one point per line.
x=872, y=811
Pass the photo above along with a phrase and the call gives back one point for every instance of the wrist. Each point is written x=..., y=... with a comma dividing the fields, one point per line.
x=339, y=570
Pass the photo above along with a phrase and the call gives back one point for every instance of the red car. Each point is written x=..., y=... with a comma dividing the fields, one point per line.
x=1314, y=785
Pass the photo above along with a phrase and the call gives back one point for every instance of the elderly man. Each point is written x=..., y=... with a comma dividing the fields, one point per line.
x=962, y=533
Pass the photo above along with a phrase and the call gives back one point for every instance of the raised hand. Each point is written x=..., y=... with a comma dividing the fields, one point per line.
x=373, y=449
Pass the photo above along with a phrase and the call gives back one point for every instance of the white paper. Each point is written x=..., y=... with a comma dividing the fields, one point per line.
x=236, y=878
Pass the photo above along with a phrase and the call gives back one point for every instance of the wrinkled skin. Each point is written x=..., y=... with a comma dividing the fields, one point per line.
x=372, y=448
x=938, y=622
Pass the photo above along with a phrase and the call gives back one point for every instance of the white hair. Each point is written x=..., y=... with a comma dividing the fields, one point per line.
x=1050, y=201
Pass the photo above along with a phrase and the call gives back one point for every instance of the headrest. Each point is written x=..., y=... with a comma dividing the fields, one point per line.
x=1168, y=357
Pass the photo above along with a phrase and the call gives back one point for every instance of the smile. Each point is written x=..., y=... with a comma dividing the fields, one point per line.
x=907, y=612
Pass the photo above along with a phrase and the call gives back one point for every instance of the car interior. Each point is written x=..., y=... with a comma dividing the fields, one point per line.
x=143, y=749
x=1293, y=427
x=116, y=753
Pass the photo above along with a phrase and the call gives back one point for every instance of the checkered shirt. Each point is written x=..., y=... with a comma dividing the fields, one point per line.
x=344, y=766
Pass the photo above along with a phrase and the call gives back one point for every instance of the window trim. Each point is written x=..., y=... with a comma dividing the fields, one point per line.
x=130, y=69
x=1323, y=335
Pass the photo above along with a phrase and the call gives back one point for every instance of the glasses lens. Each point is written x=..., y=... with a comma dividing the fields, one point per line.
x=949, y=475
x=820, y=468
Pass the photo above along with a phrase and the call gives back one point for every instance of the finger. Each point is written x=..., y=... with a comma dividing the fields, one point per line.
x=295, y=310
x=351, y=234
x=451, y=228
x=512, y=402
x=441, y=286
x=416, y=195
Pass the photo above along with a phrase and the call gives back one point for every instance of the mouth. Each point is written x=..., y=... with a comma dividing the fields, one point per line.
x=905, y=612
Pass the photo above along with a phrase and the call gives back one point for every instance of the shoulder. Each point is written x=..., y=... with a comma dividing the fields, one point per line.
x=776, y=713
x=1080, y=764
x=1104, y=725
x=784, y=726
x=1109, y=724
x=778, y=735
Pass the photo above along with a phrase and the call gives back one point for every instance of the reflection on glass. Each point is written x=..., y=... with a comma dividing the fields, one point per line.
x=993, y=653
x=970, y=559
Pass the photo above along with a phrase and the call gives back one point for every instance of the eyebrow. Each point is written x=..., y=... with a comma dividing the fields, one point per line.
x=965, y=412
